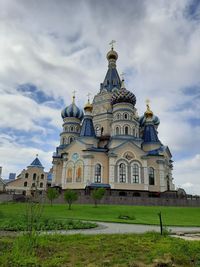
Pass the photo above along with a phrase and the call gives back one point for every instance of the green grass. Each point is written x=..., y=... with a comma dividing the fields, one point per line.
x=177, y=216
x=142, y=250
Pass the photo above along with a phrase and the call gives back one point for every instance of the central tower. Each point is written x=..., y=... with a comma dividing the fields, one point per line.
x=102, y=109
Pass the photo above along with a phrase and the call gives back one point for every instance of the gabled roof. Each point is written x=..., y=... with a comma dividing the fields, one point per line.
x=36, y=163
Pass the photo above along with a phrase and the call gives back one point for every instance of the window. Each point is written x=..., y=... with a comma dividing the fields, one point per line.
x=151, y=176
x=117, y=131
x=41, y=185
x=126, y=130
x=25, y=184
x=69, y=175
x=135, y=173
x=118, y=116
x=42, y=176
x=26, y=175
x=97, y=174
x=78, y=174
x=134, y=132
x=63, y=141
x=71, y=139
x=33, y=184
x=71, y=128
x=98, y=131
x=34, y=176
x=126, y=116
x=122, y=173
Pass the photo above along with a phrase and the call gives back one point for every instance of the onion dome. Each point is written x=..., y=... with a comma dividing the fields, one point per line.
x=88, y=106
x=112, y=55
x=72, y=111
x=123, y=96
x=149, y=116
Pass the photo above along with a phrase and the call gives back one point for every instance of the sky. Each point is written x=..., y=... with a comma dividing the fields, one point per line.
x=50, y=48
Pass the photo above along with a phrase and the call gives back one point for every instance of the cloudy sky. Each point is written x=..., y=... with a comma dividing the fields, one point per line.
x=49, y=48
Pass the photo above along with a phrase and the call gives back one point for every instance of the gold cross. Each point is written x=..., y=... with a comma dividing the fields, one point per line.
x=148, y=102
x=88, y=95
x=112, y=44
x=74, y=92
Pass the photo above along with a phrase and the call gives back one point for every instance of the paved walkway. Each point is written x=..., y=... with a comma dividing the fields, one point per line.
x=121, y=228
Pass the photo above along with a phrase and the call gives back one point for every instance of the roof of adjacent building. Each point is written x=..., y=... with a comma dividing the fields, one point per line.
x=36, y=163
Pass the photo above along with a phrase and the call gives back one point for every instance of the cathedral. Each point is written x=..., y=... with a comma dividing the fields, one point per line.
x=109, y=145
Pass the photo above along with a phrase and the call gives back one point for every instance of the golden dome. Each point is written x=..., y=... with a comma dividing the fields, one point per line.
x=88, y=106
x=148, y=113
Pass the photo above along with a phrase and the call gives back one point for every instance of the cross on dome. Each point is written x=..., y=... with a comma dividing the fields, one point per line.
x=112, y=44
x=74, y=95
x=88, y=95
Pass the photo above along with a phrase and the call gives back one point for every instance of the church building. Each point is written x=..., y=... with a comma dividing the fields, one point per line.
x=109, y=145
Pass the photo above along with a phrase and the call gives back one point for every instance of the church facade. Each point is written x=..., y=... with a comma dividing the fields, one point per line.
x=109, y=145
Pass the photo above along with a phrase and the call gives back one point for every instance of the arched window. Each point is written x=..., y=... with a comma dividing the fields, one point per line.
x=26, y=175
x=42, y=176
x=97, y=174
x=98, y=131
x=122, y=173
x=34, y=176
x=71, y=139
x=63, y=141
x=134, y=132
x=33, y=184
x=72, y=128
x=78, y=174
x=135, y=173
x=118, y=116
x=125, y=116
x=41, y=185
x=151, y=176
x=66, y=128
x=25, y=184
x=126, y=130
x=117, y=131
x=69, y=175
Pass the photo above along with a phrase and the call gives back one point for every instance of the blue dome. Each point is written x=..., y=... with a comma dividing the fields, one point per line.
x=72, y=111
x=155, y=120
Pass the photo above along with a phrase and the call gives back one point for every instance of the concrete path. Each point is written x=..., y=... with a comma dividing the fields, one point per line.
x=121, y=228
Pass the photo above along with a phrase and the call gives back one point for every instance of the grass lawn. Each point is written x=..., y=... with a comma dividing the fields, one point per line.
x=142, y=250
x=177, y=216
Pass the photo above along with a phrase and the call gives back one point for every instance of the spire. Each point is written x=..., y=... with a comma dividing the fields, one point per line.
x=112, y=79
x=87, y=128
x=150, y=134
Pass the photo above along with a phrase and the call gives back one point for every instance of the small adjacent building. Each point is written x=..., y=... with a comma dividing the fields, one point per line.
x=30, y=180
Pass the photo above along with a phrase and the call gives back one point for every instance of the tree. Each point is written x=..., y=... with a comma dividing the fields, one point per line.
x=97, y=194
x=52, y=194
x=70, y=196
